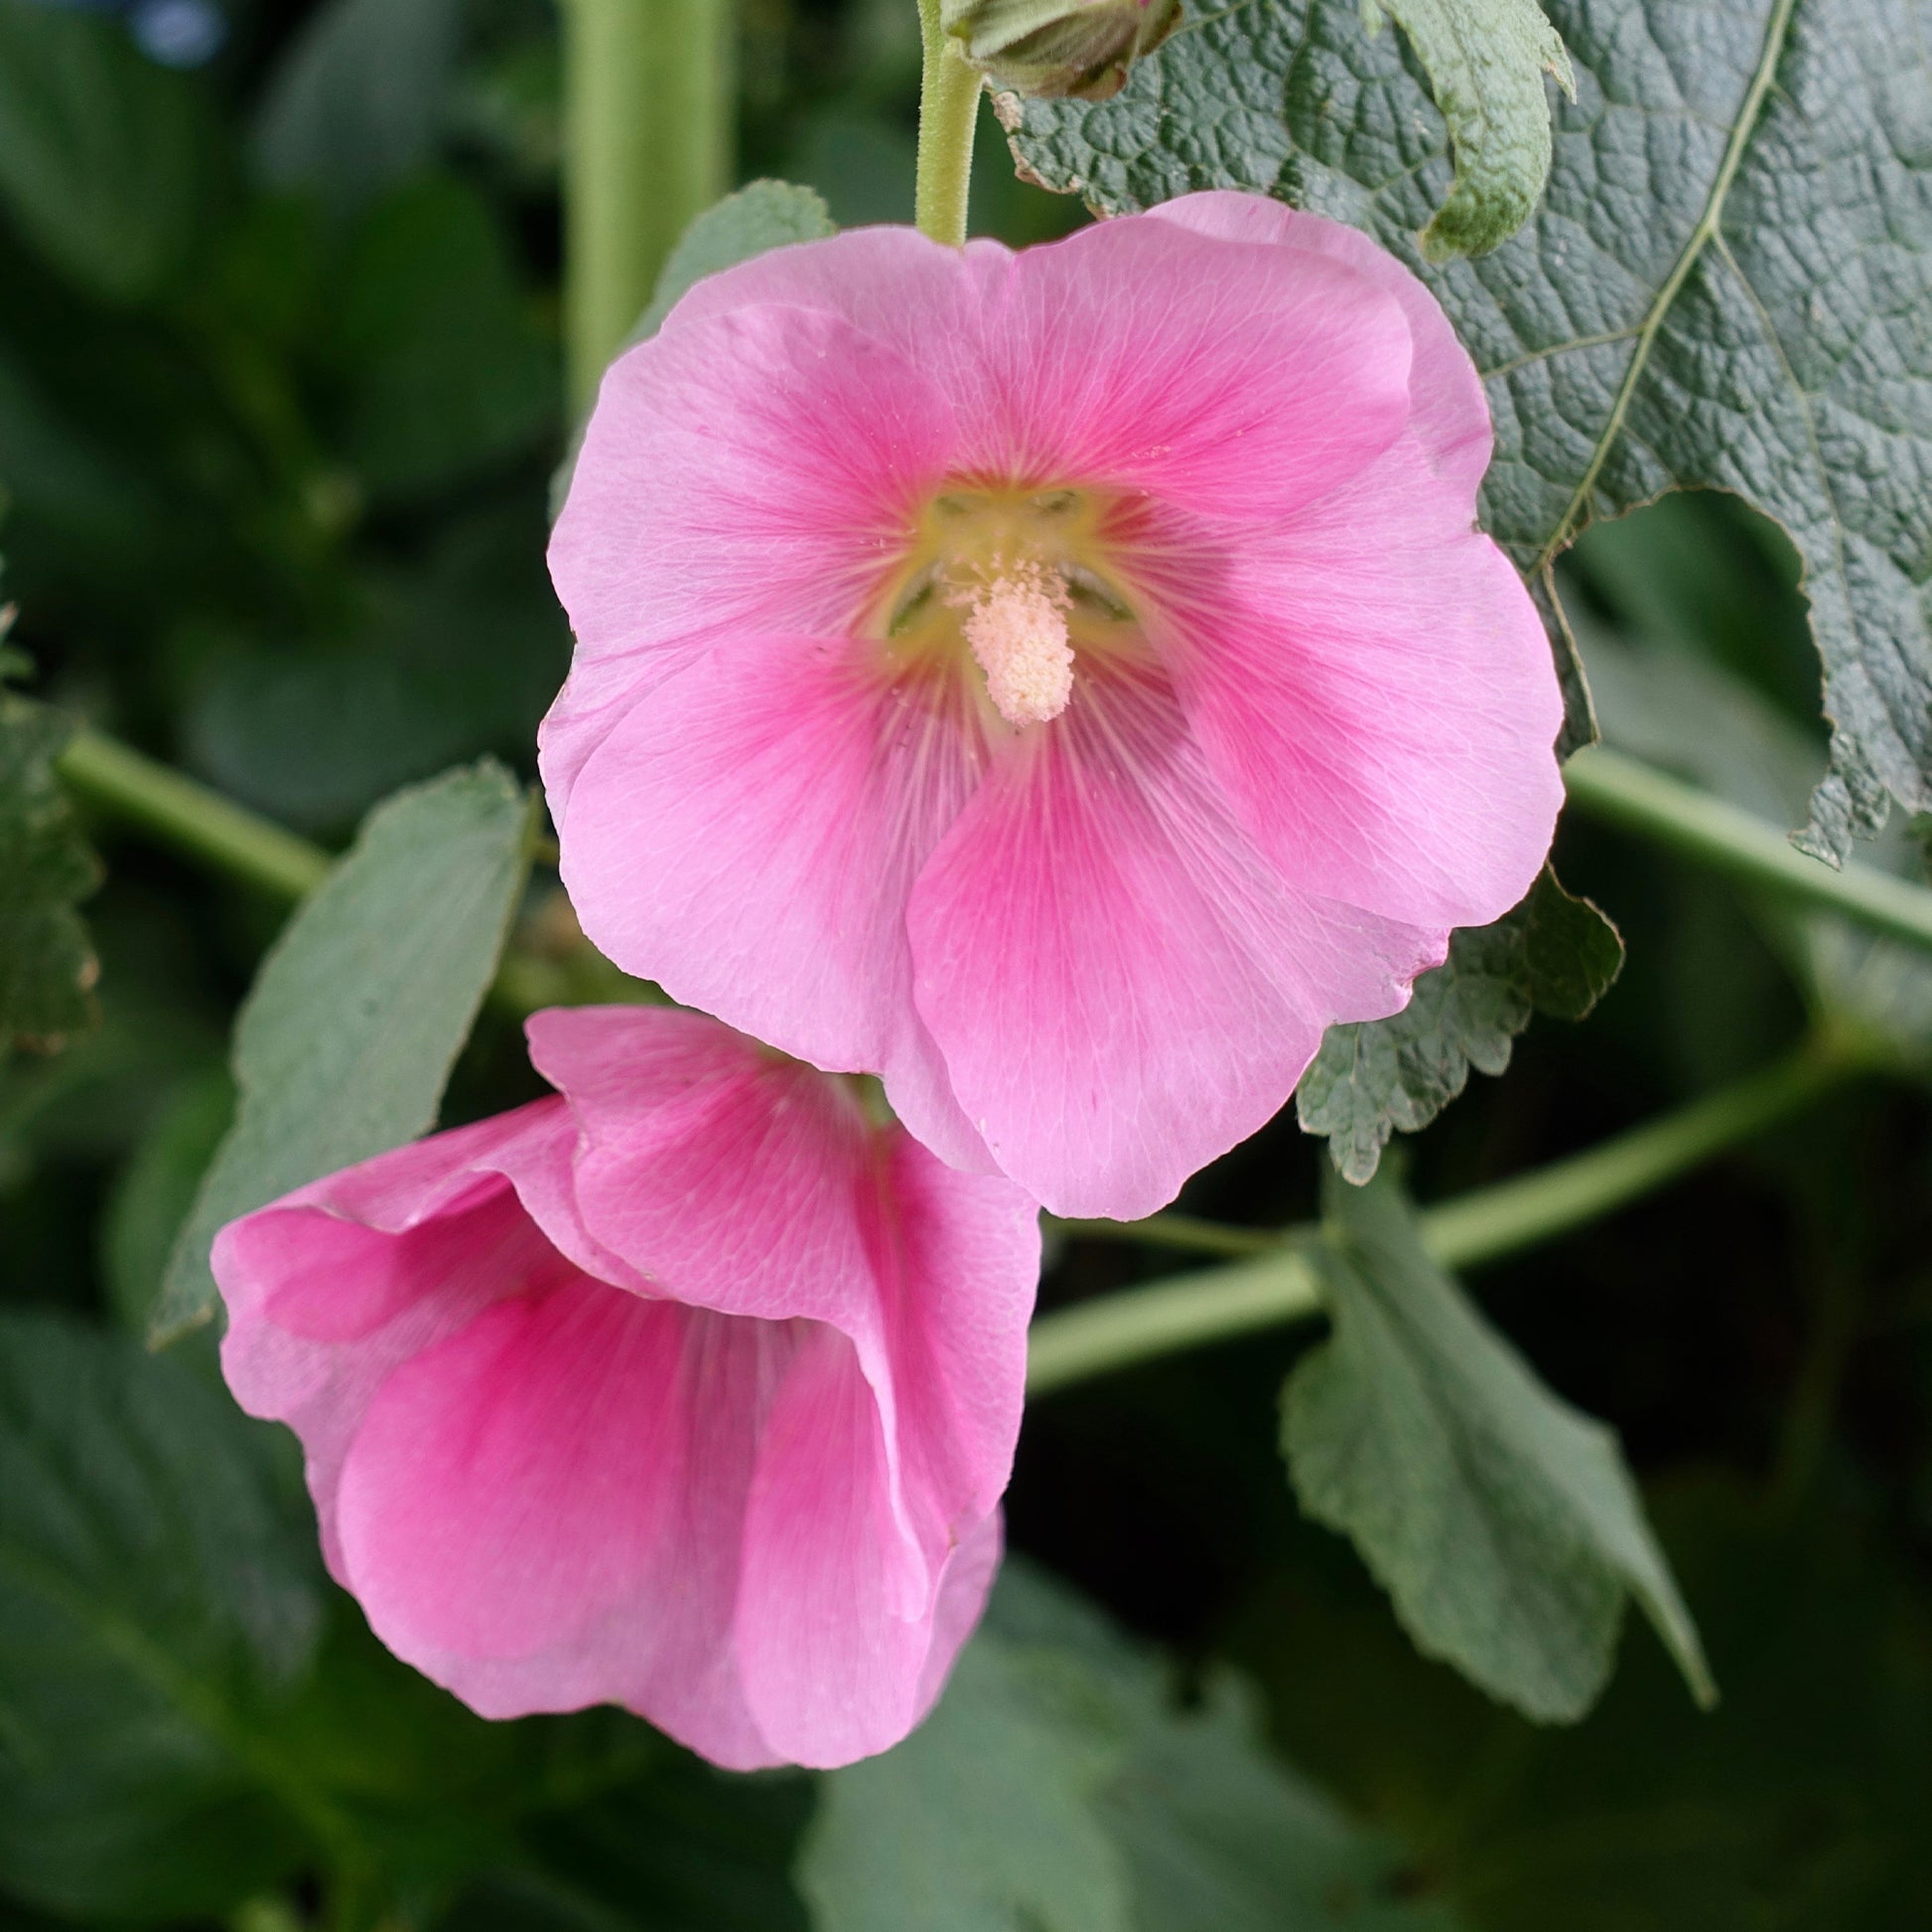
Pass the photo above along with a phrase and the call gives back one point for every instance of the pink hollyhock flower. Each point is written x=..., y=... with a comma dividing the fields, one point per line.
x=689, y=1389
x=1062, y=683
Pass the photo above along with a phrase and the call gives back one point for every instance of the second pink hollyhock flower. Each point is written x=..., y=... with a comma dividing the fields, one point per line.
x=689, y=1389
x=1063, y=683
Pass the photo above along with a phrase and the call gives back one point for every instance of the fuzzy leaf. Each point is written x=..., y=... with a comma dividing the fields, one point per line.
x=1501, y=1521
x=764, y=215
x=1554, y=954
x=1728, y=284
x=1056, y=1788
x=46, y=965
x=346, y=1038
x=356, y=102
x=105, y=162
x=158, y=1610
x=1486, y=60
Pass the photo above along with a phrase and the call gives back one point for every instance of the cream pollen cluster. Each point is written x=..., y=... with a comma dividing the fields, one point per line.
x=1061, y=683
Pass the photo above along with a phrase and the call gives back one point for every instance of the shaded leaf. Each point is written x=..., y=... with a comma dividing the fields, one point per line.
x=1501, y=1521
x=156, y=1189
x=157, y=1609
x=1485, y=59
x=762, y=215
x=103, y=161
x=344, y=1044
x=46, y=962
x=1057, y=1787
x=358, y=99
x=1728, y=284
x=1554, y=954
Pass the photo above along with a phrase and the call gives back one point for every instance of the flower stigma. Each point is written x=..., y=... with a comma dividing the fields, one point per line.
x=1015, y=624
x=1011, y=579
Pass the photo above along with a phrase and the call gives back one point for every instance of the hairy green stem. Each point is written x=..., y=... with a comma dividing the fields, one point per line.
x=1278, y=1284
x=949, y=103
x=646, y=146
x=1623, y=791
x=189, y=817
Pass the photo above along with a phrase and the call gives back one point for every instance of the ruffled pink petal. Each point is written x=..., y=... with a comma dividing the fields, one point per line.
x=1252, y=377
x=332, y=1288
x=541, y=1512
x=1123, y=986
x=748, y=835
x=917, y=298
x=790, y=1424
x=739, y=473
x=1217, y=376
x=1450, y=413
x=1374, y=690
x=757, y=1188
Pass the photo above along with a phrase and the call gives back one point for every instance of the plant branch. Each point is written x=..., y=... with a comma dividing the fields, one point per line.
x=1278, y=1284
x=646, y=146
x=1623, y=791
x=949, y=103
x=190, y=817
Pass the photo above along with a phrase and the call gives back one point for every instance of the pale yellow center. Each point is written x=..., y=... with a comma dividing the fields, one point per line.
x=1021, y=583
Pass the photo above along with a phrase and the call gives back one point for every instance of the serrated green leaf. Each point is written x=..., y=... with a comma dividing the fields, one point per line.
x=1501, y=1521
x=1727, y=284
x=759, y=217
x=1057, y=1788
x=358, y=99
x=103, y=158
x=1486, y=61
x=157, y=1610
x=344, y=1043
x=1554, y=954
x=47, y=963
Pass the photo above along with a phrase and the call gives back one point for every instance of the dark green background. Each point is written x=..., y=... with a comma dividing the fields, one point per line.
x=276, y=459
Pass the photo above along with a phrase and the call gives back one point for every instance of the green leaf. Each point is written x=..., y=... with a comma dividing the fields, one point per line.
x=157, y=1609
x=155, y=1193
x=47, y=963
x=1486, y=61
x=345, y=1044
x=1503, y=1523
x=762, y=215
x=104, y=160
x=1057, y=1788
x=1725, y=285
x=1554, y=954
x=358, y=100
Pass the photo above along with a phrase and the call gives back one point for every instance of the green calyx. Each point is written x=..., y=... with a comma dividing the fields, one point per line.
x=1058, y=49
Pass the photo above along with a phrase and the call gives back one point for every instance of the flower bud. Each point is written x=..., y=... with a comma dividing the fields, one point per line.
x=1056, y=48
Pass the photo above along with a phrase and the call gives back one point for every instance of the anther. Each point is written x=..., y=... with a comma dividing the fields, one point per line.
x=1016, y=623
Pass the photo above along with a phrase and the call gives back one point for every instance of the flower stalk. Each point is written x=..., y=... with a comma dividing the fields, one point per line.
x=647, y=92
x=949, y=102
x=1278, y=1284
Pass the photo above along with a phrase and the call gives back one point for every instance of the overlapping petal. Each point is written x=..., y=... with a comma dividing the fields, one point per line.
x=688, y=1389
x=1097, y=950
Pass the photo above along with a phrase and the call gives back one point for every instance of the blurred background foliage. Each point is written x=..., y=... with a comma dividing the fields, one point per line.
x=279, y=402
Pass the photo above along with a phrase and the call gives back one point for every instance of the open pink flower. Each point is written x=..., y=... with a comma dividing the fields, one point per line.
x=690, y=1390
x=1062, y=683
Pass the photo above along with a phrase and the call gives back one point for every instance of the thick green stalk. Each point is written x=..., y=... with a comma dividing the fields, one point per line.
x=1279, y=1284
x=1623, y=791
x=190, y=817
x=949, y=103
x=647, y=139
